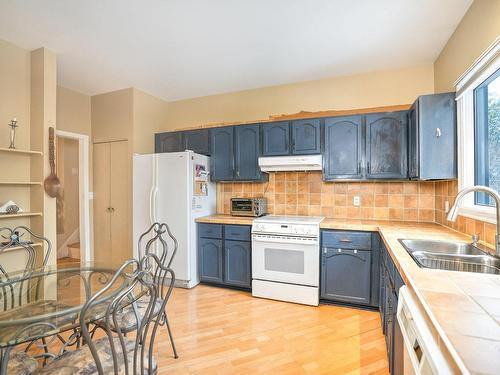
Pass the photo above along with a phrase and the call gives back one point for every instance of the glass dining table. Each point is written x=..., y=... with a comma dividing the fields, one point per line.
x=47, y=302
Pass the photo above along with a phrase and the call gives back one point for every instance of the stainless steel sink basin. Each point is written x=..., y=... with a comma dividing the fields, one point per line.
x=451, y=256
x=441, y=247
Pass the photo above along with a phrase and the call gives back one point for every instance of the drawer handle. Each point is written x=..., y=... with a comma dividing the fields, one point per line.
x=345, y=240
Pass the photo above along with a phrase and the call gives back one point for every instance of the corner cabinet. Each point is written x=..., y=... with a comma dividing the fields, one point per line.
x=222, y=160
x=349, y=267
x=343, y=148
x=225, y=255
x=432, y=136
x=386, y=145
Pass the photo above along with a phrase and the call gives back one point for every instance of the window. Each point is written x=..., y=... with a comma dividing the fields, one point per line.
x=487, y=137
x=478, y=121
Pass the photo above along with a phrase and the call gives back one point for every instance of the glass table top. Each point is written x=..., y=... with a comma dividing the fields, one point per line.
x=47, y=301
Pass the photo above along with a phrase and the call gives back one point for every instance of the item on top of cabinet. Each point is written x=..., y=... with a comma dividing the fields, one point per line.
x=13, y=125
x=52, y=185
x=249, y=207
x=10, y=207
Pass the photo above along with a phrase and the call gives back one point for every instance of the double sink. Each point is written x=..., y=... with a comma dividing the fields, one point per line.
x=451, y=256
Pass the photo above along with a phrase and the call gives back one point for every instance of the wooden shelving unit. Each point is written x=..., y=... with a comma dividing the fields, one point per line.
x=21, y=214
x=20, y=152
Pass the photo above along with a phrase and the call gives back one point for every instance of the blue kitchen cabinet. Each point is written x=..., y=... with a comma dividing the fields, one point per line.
x=168, y=142
x=247, y=152
x=306, y=137
x=225, y=255
x=197, y=141
x=343, y=148
x=237, y=270
x=210, y=260
x=276, y=138
x=222, y=160
x=432, y=135
x=386, y=145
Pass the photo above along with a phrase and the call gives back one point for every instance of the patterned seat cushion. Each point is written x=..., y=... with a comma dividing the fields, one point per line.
x=81, y=361
x=127, y=319
x=21, y=363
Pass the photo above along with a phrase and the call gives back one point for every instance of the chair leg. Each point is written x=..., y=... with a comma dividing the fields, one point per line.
x=170, y=335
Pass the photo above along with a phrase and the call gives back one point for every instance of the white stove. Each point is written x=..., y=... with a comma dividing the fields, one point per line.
x=285, y=258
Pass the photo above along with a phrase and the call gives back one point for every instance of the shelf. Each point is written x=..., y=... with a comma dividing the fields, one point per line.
x=22, y=214
x=19, y=151
x=6, y=183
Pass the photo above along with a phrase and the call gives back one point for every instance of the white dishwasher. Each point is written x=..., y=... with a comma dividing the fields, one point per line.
x=422, y=355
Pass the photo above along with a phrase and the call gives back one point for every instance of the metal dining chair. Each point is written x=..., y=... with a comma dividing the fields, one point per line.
x=115, y=353
x=151, y=242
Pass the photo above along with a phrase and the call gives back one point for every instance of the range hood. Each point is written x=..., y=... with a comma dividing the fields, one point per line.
x=291, y=163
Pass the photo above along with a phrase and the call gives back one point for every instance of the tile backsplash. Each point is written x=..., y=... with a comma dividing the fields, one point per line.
x=447, y=191
x=304, y=193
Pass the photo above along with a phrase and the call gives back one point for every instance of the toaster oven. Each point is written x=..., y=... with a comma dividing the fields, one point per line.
x=248, y=206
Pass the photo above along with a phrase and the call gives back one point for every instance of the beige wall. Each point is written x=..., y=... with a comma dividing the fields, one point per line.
x=478, y=29
x=149, y=116
x=73, y=111
x=374, y=89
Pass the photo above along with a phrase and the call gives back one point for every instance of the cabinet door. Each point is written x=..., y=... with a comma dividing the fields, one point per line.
x=222, y=160
x=343, y=150
x=102, y=212
x=169, y=142
x=247, y=151
x=237, y=269
x=120, y=202
x=306, y=137
x=386, y=146
x=210, y=260
x=346, y=275
x=276, y=138
x=197, y=141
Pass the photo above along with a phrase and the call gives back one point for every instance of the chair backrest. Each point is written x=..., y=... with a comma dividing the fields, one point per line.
x=26, y=242
x=120, y=354
x=153, y=241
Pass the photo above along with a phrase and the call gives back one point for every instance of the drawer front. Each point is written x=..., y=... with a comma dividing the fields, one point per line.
x=210, y=230
x=237, y=232
x=347, y=240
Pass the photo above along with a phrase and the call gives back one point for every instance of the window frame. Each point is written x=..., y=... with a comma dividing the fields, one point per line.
x=476, y=75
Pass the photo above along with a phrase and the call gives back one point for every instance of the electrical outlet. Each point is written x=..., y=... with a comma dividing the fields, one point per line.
x=356, y=201
x=446, y=207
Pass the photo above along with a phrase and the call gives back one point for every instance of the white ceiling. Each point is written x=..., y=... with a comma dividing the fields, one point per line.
x=179, y=49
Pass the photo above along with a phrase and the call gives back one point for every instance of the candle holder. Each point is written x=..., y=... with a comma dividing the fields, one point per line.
x=13, y=125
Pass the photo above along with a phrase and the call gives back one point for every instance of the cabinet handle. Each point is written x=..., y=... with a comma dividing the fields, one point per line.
x=359, y=167
x=325, y=250
x=339, y=250
x=438, y=132
x=355, y=251
x=345, y=240
x=368, y=169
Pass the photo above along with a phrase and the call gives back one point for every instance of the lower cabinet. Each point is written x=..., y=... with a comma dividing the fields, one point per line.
x=349, y=267
x=224, y=255
x=390, y=282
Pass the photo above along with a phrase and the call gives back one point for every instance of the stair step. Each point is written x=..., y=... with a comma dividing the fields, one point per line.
x=74, y=245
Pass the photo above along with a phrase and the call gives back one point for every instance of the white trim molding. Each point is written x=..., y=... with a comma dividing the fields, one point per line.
x=485, y=66
x=84, y=206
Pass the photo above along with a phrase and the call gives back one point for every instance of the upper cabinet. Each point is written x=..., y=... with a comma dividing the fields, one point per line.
x=197, y=141
x=300, y=137
x=168, y=142
x=343, y=149
x=247, y=151
x=222, y=160
x=276, y=138
x=194, y=140
x=386, y=145
x=432, y=137
x=306, y=139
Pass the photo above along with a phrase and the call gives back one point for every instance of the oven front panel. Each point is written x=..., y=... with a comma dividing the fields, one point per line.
x=294, y=263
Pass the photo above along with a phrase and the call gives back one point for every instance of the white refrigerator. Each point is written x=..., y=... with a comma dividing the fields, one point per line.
x=173, y=188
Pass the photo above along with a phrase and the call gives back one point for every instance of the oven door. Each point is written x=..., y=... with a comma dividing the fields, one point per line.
x=293, y=260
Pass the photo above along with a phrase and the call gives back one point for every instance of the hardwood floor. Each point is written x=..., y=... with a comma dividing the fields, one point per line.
x=221, y=331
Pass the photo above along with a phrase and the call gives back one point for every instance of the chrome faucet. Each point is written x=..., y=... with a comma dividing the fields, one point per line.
x=453, y=214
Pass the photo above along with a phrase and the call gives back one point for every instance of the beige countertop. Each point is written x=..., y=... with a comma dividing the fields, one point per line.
x=463, y=307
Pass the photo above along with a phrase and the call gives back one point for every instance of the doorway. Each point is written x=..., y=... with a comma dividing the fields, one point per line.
x=73, y=222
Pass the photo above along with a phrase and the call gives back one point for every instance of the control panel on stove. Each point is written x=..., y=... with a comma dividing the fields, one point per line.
x=286, y=229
